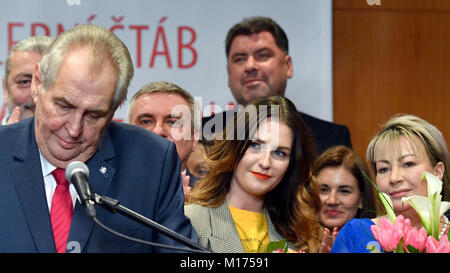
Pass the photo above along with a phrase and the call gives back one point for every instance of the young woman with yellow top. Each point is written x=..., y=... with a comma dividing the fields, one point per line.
x=258, y=189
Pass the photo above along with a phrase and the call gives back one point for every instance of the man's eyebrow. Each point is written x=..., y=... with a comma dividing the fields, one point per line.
x=63, y=100
x=145, y=115
x=263, y=49
x=238, y=54
x=27, y=75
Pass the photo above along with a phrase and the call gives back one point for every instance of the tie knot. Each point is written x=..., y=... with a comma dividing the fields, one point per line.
x=59, y=175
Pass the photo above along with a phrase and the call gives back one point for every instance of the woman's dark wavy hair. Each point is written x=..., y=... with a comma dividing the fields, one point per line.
x=294, y=204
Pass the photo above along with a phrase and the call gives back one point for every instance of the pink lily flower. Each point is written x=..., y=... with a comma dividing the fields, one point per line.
x=389, y=234
x=435, y=246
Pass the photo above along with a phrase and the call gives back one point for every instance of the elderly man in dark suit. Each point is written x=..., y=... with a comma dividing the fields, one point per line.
x=78, y=85
x=259, y=65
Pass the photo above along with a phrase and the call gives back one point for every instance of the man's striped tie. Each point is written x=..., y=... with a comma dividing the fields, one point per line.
x=61, y=211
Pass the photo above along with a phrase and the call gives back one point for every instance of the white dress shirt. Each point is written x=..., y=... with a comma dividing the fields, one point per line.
x=50, y=182
x=5, y=118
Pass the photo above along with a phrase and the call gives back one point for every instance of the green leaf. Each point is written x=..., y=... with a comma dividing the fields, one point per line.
x=385, y=199
x=400, y=247
x=412, y=249
x=387, y=202
x=272, y=246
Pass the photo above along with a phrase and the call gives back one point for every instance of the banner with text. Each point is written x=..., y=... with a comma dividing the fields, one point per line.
x=183, y=41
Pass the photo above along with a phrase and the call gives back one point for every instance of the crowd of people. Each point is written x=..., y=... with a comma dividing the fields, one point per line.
x=266, y=173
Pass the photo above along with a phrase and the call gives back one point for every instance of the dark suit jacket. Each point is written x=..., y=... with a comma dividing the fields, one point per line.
x=325, y=134
x=140, y=169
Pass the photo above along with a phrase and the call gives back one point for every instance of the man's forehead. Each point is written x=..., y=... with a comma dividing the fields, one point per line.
x=260, y=37
x=161, y=104
x=170, y=99
x=24, y=56
x=24, y=59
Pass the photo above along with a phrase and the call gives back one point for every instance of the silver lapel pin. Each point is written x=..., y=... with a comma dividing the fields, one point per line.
x=103, y=170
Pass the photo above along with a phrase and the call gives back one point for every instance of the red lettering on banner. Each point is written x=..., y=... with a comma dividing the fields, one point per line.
x=34, y=26
x=59, y=28
x=138, y=29
x=212, y=107
x=92, y=17
x=187, y=54
x=115, y=27
x=116, y=20
x=187, y=46
x=160, y=33
x=230, y=106
x=11, y=43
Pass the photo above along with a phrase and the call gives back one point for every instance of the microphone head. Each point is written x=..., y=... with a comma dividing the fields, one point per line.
x=74, y=167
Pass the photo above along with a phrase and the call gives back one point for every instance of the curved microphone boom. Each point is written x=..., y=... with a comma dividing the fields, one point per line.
x=77, y=173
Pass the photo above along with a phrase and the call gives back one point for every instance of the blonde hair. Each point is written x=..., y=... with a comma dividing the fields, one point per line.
x=104, y=46
x=416, y=131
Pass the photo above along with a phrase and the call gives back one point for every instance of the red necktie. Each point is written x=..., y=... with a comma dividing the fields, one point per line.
x=61, y=211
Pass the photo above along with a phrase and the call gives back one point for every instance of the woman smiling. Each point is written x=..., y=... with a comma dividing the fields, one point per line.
x=258, y=189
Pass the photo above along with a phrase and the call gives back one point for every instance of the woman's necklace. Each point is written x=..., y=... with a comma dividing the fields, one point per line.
x=444, y=228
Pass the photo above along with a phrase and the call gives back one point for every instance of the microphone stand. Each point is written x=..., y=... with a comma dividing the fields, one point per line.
x=114, y=206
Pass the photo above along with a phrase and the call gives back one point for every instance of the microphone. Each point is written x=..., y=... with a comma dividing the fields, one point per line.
x=77, y=173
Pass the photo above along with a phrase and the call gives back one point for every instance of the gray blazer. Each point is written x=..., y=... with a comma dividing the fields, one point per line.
x=216, y=230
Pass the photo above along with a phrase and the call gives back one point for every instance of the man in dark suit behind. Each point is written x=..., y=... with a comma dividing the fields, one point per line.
x=259, y=65
x=77, y=86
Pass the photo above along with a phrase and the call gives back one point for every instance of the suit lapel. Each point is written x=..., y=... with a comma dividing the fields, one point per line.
x=224, y=237
x=29, y=184
x=101, y=174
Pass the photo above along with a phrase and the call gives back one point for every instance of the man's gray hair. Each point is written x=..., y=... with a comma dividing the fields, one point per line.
x=167, y=87
x=38, y=44
x=105, y=46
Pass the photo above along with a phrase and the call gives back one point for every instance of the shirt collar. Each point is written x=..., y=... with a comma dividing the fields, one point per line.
x=46, y=166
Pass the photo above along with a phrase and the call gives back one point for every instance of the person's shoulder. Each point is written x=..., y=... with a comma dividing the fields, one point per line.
x=317, y=122
x=13, y=131
x=200, y=218
x=358, y=224
x=196, y=210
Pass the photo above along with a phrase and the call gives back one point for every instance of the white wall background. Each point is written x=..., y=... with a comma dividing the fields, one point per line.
x=306, y=22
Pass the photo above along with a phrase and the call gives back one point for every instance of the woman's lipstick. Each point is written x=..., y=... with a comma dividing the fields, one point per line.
x=261, y=176
x=333, y=212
